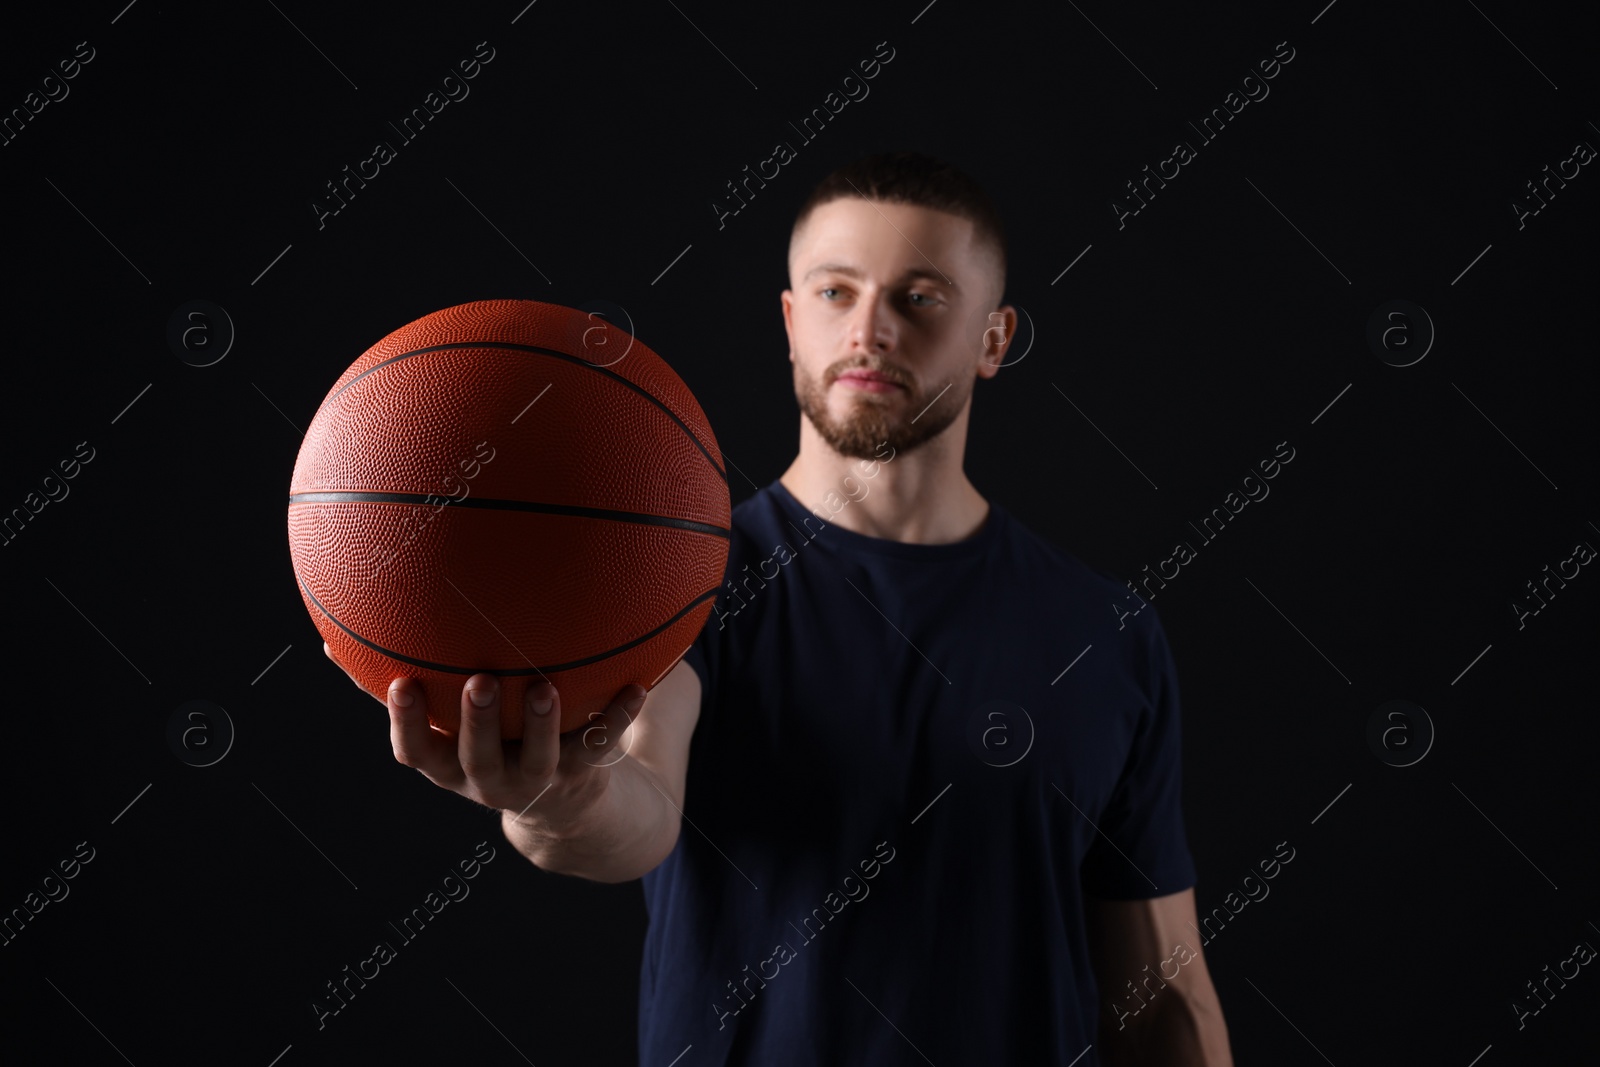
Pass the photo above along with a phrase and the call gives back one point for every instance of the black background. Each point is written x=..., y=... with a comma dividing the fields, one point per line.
x=1208, y=329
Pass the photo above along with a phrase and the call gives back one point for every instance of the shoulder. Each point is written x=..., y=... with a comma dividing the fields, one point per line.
x=1109, y=600
x=757, y=519
x=1059, y=570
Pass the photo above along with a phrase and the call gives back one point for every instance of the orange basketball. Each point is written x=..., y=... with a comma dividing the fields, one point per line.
x=515, y=488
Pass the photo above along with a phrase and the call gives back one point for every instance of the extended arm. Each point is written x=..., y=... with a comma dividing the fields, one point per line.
x=631, y=823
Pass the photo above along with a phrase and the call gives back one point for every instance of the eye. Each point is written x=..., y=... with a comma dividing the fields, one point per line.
x=922, y=300
x=826, y=290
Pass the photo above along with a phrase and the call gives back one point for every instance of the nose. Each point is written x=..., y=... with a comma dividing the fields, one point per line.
x=872, y=328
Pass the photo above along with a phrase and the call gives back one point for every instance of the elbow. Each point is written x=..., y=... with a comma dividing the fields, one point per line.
x=666, y=841
x=625, y=865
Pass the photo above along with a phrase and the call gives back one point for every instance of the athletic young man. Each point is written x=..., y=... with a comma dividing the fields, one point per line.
x=912, y=836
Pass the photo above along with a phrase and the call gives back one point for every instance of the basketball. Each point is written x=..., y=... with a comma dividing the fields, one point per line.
x=513, y=488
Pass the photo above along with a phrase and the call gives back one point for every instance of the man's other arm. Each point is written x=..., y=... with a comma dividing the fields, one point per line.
x=1172, y=1017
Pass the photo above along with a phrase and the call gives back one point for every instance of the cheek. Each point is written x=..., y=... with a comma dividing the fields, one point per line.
x=804, y=372
x=811, y=363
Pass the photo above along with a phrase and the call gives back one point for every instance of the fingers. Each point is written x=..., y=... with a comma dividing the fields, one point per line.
x=600, y=742
x=481, y=750
x=416, y=744
x=541, y=731
x=479, y=764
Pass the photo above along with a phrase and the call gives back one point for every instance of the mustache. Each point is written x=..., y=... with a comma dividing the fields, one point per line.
x=894, y=374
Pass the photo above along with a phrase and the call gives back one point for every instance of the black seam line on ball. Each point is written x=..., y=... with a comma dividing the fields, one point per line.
x=516, y=672
x=545, y=352
x=358, y=497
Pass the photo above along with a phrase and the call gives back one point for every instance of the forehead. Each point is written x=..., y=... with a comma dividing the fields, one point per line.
x=883, y=239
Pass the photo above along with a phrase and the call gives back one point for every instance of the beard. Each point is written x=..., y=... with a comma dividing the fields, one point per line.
x=874, y=419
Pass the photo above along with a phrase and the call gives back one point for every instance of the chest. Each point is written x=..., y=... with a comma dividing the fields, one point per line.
x=1008, y=713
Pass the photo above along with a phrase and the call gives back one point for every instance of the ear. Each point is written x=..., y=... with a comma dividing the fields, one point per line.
x=786, y=298
x=997, y=340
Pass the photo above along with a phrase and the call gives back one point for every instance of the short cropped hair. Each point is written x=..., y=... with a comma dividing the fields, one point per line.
x=917, y=179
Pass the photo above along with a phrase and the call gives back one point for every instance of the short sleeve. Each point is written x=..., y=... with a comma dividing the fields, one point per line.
x=697, y=658
x=1141, y=850
x=704, y=656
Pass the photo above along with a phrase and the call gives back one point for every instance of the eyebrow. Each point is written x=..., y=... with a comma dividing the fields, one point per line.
x=855, y=272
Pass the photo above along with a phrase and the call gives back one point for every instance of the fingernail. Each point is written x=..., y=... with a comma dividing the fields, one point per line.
x=401, y=697
x=482, y=697
x=542, y=707
x=634, y=705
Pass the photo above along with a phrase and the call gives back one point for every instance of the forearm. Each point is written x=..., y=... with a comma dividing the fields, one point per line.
x=1172, y=1031
x=627, y=832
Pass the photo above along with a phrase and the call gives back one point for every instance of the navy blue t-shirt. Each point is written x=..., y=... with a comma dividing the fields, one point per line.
x=912, y=762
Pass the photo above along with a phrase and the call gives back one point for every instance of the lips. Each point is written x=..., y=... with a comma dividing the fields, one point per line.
x=868, y=376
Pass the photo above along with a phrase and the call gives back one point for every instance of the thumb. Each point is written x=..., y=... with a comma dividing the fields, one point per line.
x=603, y=740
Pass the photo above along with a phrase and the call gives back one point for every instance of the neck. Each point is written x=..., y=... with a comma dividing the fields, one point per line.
x=917, y=497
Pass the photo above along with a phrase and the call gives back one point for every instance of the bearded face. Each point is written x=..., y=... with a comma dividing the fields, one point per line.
x=883, y=298
x=857, y=419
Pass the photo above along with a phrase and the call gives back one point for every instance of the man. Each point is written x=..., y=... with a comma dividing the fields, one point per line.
x=931, y=782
